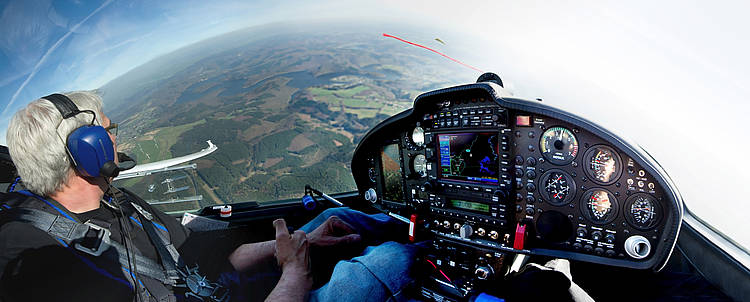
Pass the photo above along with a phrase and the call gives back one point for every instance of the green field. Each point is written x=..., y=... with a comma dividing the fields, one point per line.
x=312, y=104
x=157, y=148
x=349, y=98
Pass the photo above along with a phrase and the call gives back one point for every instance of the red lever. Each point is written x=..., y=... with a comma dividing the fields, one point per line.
x=412, y=226
x=520, y=236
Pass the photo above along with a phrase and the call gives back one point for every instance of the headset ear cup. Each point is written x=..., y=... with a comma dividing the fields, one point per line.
x=91, y=148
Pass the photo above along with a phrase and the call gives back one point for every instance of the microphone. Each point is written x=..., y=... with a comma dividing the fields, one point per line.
x=110, y=169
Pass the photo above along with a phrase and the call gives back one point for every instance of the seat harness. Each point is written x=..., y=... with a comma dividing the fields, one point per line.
x=172, y=271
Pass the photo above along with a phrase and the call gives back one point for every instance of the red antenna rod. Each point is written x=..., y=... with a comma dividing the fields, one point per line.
x=432, y=50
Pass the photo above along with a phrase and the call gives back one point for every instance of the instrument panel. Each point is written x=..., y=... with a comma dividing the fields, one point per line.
x=484, y=170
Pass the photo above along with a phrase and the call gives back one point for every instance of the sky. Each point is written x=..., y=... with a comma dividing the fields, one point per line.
x=670, y=75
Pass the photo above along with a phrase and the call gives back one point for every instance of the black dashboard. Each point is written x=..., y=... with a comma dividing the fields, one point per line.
x=485, y=175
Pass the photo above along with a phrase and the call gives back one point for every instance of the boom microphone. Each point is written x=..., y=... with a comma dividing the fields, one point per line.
x=110, y=169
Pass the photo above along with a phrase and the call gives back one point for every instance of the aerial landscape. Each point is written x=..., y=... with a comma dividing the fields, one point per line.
x=285, y=110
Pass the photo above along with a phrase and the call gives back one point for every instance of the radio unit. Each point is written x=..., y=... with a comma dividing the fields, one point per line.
x=469, y=179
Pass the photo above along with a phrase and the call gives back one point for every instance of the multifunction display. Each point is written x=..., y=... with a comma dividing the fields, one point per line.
x=469, y=157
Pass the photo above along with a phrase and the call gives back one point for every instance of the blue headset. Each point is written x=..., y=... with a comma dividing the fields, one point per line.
x=89, y=146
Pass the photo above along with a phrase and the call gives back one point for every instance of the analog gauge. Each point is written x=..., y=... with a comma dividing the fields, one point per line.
x=557, y=187
x=599, y=206
x=558, y=145
x=417, y=136
x=642, y=211
x=603, y=164
x=419, y=165
x=373, y=175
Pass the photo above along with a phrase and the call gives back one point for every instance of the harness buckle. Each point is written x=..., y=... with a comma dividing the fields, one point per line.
x=102, y=239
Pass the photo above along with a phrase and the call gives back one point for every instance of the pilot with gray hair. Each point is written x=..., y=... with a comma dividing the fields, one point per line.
x=71, y=235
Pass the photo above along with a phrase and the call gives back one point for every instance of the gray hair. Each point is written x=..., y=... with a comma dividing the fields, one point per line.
x=37, y=145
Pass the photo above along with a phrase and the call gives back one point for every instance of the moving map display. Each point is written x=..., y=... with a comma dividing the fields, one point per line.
x=393, y=186
x=469, y=157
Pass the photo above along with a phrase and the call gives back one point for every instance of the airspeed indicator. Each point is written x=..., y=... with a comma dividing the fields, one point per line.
x=417, y=136
x=419, y=165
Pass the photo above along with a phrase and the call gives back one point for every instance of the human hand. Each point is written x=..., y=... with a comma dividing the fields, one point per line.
x=292, y=251
x=332, y=232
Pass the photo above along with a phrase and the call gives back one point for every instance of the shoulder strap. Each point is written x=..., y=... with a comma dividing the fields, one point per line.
x=93, y=238
x=168, y=254
x=70, y=232
x=197, y=285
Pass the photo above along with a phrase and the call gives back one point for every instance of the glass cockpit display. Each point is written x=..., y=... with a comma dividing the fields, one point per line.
x=393, y=187
x=469, y=157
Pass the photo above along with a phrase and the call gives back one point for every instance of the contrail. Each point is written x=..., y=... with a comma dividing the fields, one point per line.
x=46, y=55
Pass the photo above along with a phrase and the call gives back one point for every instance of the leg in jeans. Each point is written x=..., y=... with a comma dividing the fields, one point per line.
x=381, y=272
x=375, y=229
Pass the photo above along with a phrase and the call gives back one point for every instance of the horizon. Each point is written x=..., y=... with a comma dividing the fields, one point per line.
x=669, y=75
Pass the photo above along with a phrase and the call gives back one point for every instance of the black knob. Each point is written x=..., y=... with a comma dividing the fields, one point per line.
x=599, y=251
x=596, y=235
x=501, y=195
x=588, y=248
x=530, y=211
x=483, y=272
x=519, y=173
x=610, y=238
x=581, y=232
x=465, y=231
x=577, y=246
x=427, y=186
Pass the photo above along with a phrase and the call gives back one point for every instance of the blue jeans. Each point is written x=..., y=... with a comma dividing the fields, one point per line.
x=381, y=272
